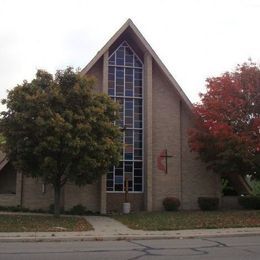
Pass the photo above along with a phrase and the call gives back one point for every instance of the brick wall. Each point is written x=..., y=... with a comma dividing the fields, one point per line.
x=115, y=201
x=187, y=178
x=33, y=196
x=166, y=134
x=7, y=200
x=88, y=196
x=196, y=179
x=71, y=195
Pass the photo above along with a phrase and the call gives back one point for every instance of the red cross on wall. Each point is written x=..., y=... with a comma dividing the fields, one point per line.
x=163, y=157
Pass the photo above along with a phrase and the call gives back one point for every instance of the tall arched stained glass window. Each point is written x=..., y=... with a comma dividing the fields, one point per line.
x=125, y=86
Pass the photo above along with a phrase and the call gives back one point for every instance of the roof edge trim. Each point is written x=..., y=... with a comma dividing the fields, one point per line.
x=129, y=23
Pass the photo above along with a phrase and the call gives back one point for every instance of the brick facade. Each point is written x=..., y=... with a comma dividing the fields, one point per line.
x=166, y=134
x=88, y=196
x=197, y=181
x=167, y=118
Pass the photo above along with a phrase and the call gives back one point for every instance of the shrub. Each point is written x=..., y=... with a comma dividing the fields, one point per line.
x=39, y=210
x=17, y=208
x=208, y=203
x=78, y=210
x=171, y=203
x=249, y=202
x=51, y=208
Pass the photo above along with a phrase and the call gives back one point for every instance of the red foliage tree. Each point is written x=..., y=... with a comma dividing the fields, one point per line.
x=227, y=130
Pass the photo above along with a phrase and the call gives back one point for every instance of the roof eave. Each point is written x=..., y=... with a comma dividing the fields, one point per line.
x=106, y=47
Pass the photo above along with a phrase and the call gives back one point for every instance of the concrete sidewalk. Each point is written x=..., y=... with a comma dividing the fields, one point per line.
x=106, y=228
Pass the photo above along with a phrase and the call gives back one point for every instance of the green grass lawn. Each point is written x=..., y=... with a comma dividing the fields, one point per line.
x=34, y=223
x=190, y=220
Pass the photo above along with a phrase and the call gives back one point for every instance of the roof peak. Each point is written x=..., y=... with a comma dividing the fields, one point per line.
x=129, y=21
x=147, y=47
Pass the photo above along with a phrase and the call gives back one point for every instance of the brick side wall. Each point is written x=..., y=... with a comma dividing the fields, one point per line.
x=196, y=180
x=92, y=194
x=71, y=195
x=7, y=200
x=33, y=195
x=88, y=196
x=166, y=134
x=187, y=178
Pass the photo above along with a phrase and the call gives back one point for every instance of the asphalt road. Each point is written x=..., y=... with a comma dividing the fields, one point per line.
x=196, y=248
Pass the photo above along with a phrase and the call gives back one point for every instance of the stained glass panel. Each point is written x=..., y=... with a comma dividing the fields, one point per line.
x=125, y=86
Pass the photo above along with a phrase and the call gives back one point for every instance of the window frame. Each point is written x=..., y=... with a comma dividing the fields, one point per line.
x=134, y=129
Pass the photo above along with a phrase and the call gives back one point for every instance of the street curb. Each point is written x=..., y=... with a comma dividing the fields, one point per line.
x=121, y=237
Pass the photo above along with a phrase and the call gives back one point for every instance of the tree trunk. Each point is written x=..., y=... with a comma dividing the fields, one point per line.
x=57, y=192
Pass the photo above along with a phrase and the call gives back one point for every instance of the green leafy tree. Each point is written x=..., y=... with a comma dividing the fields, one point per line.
x=58, y=129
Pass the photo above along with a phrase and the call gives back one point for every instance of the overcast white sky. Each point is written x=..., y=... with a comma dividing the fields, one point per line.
x=195, y=39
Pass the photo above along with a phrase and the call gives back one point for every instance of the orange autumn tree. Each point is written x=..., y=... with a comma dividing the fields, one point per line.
x=227, y=124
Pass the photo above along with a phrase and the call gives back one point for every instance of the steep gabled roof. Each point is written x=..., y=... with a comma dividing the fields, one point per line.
x=129, y=24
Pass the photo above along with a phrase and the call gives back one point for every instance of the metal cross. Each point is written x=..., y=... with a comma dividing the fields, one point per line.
x=166, y=156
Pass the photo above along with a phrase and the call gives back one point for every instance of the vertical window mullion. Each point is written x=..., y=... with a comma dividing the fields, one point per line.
x=124, y=57
x=133, y=82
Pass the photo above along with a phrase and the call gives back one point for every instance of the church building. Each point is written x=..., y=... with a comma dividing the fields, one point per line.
x=155, y=116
